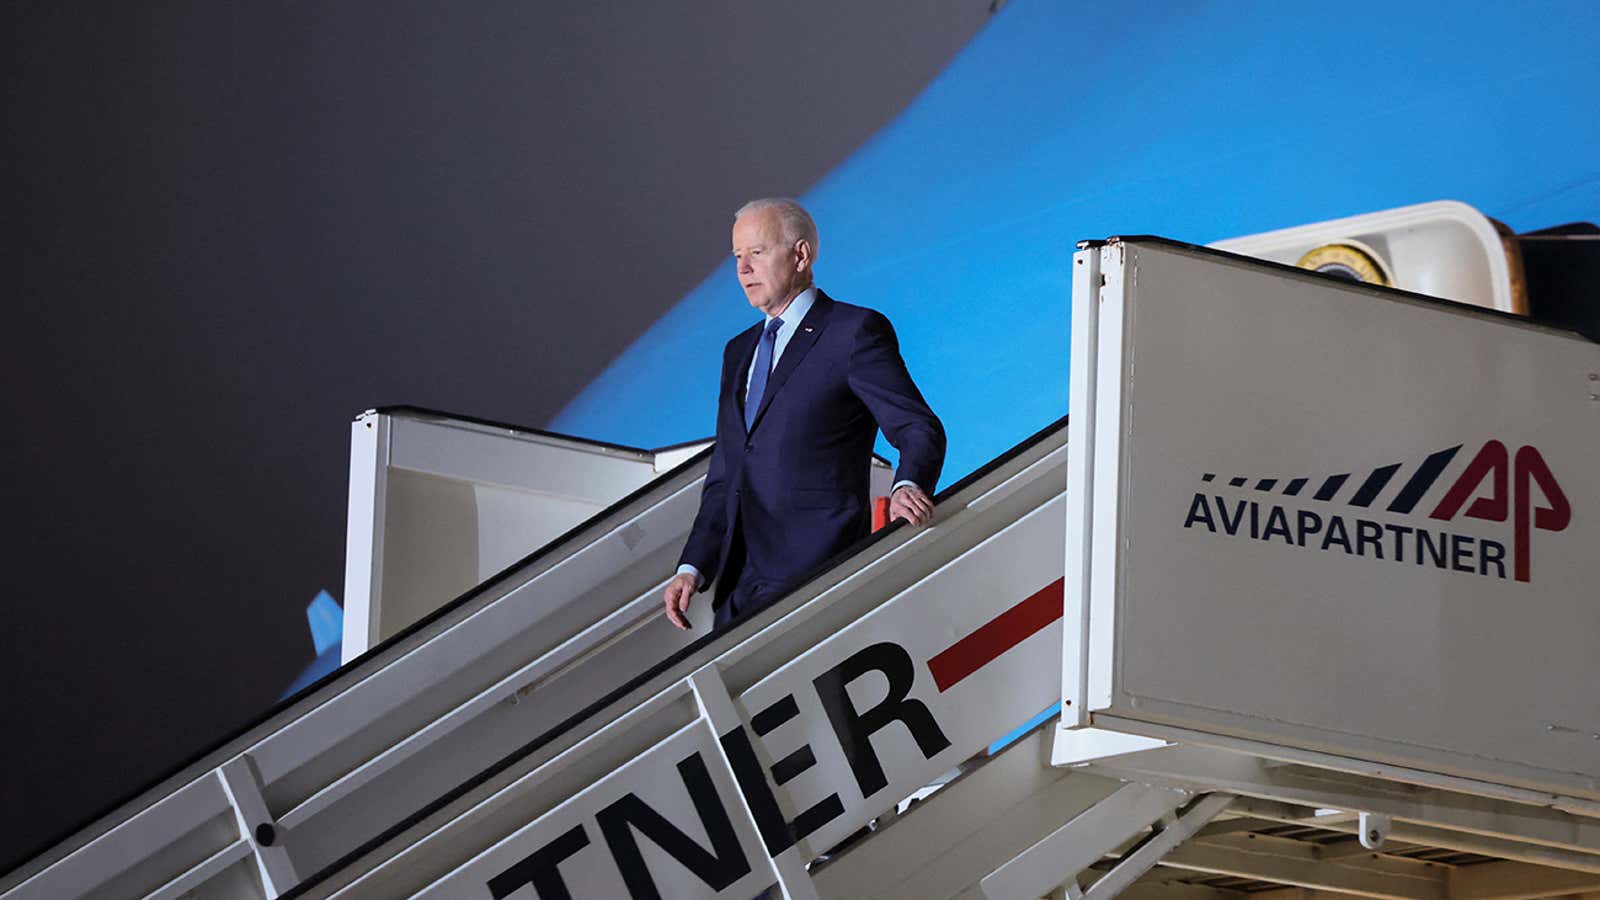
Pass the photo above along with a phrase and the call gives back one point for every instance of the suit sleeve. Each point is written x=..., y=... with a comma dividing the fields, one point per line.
x=703, y=550
x=879, y=378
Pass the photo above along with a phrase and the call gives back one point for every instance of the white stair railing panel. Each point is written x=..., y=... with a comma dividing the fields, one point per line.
x=958, y=700
x=337, y=766
x=831, y=735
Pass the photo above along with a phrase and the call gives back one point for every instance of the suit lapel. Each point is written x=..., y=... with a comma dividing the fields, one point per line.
x=799, y=345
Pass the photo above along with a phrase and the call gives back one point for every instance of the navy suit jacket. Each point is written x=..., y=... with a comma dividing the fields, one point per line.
x=794, y=486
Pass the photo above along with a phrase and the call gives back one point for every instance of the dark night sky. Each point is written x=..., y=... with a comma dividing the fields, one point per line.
x=235, y=226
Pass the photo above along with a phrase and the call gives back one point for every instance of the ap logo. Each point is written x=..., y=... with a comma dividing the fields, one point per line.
x=1509, y=496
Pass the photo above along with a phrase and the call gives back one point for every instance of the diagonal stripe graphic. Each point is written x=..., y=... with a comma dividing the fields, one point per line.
x=996, y=636
x=1369, y=489
x=1424, y=478
x=1331, y=487
x=1294, y=487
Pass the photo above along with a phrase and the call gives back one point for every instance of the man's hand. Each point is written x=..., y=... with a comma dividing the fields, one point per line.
x=910, y=503
x=679, y=590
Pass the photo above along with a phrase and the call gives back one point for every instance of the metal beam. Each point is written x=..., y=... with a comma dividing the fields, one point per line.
x=1300, y=867
x=1169, y=891
x=945, y=843
x=1236, y=825
x=1428, y=835
x=1298, y=894
x=1282, y=755
x=1140, y=861
x=1205, y=769
x=1395, y=866
x=1352, y=849
x=1088, y=836
x=254, y=819
x=1517, y=881
x=788, y=868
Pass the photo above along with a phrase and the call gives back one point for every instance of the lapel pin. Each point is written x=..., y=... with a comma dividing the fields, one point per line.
x=808, y=329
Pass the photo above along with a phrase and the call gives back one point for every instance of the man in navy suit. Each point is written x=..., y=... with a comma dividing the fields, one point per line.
x=804, y=392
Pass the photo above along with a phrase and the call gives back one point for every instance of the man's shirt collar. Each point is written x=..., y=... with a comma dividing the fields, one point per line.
x=796, y=310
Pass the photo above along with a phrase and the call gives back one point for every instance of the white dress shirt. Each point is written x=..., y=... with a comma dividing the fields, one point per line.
x=791, y=316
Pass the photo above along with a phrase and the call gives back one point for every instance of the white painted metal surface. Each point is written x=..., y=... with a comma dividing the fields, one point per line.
x=1081, y=841
x=1335, y=518
x=850, y=694
x=363, y=546
x=440, y=504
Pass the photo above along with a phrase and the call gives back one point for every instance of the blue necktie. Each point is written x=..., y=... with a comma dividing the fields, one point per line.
x=763, y=367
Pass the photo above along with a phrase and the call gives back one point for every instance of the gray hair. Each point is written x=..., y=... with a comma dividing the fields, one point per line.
x=796, y=222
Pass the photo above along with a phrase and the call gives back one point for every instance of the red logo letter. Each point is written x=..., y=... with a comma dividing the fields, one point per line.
x=1554, y=517
x=1492, y=459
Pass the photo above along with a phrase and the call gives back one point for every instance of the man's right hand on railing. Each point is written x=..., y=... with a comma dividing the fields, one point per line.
x=679, y=591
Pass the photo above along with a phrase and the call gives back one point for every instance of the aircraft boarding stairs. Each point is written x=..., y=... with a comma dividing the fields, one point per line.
x=1247, y=706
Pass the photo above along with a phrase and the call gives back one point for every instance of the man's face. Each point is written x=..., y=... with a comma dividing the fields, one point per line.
x=771, y=270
